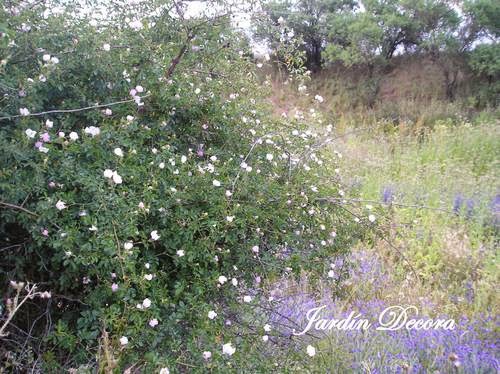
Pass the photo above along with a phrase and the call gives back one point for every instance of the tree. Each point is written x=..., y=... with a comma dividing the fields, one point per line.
x=305, y=20
x=381, y=27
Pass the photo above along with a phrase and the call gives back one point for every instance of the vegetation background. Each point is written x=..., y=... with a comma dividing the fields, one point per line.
x=172, y=201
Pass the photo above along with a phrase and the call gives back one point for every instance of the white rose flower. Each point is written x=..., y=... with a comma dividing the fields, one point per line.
x=61, y=205
x=46, y=57
x=118, y=152
x=92, y=130
x=222, y=279
x=180, y=253
x=212, y=314
x=228, y=349
x=106, y=47
x=154, y=235
x=30, y=133
x=146, y=303
x=216, y=183
x=123, y=340
x=311, y=351
x=49, y=124
x=153, y=322
x=319, y=98
x=136, y=25
x=207, y=355
x=73, y=135
x=128, y=246
x=117, y=178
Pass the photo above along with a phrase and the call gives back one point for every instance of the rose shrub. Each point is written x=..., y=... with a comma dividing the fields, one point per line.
x=141, y=217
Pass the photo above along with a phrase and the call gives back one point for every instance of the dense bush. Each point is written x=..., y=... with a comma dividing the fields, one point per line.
x=143, y=186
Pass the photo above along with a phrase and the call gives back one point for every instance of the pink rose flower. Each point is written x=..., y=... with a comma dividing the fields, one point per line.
x=45, y=137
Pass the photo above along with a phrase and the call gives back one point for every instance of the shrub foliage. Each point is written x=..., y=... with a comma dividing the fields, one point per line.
x=143, y=185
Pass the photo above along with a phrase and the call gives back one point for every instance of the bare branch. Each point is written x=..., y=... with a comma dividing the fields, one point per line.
x=17, y=207
x=72, y=110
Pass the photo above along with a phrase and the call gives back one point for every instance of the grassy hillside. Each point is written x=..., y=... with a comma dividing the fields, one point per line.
x=409, y=93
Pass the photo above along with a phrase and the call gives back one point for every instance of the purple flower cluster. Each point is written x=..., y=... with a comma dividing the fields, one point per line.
x=472, y=207
x=472, y=347
x=388, y=194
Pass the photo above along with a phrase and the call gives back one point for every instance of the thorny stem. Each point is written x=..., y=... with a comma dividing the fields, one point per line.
x=16, y=305
x=72, y=110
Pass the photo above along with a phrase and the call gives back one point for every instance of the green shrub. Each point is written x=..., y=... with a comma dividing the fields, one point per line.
x=141, y=217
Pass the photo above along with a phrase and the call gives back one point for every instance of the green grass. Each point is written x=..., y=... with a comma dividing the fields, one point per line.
x=447, y=250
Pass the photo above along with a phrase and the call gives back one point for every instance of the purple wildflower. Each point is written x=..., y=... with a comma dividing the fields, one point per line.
x=388, y=194
x=470, y=204
x=457, y=203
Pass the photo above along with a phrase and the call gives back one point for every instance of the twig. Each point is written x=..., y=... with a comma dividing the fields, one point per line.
x=16, y=305
x=177, y=59
x=244, y=160
x=386, y=240
x=328, y=140
x=17, y=207
x=335, y=200
x=72, y=110
x=11, y=246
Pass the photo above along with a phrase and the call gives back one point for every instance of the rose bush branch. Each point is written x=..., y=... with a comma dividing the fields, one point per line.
x=13, y=305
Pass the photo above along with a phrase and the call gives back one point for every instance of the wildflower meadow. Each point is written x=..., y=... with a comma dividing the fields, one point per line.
x=249, y=186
